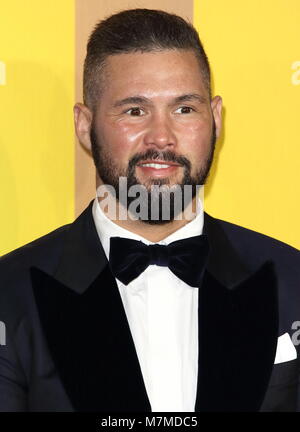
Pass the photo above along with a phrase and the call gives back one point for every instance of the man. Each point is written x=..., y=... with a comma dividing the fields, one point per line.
x=129, y=310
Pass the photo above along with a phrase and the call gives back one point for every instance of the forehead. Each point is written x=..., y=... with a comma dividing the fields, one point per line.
x=150, y=73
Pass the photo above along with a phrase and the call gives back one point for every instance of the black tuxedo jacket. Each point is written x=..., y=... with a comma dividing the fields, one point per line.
x=68, y=344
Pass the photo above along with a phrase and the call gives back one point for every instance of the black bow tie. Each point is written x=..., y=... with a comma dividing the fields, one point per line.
x=185, y=258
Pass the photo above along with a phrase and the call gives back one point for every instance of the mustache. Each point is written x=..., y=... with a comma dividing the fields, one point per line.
x=167, y=156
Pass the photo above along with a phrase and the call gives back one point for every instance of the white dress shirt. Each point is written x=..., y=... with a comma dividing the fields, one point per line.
x=162, y=312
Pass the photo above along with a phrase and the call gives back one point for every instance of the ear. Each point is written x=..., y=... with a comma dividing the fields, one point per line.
x=216, y=106
x=82, y=121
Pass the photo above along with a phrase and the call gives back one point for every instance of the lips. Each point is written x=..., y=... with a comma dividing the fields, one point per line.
x=157, y=164
x=158, y=168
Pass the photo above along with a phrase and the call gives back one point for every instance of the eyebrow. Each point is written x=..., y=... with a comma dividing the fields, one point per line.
x=190, y=97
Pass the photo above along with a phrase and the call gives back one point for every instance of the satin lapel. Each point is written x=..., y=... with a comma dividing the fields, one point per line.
x=86, y=328
x=238, y=329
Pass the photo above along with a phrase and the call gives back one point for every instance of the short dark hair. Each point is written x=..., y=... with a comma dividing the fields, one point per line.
x=138, y=30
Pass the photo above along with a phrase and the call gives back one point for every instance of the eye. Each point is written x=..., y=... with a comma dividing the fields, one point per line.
x=136, y=112
x=184, y=110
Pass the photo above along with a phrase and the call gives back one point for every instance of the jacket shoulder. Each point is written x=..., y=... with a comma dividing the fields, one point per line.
x=255, y=245
x=43, y=252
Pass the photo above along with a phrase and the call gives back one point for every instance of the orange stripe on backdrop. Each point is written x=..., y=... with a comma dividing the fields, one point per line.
x=253, y=49
x=87, y=14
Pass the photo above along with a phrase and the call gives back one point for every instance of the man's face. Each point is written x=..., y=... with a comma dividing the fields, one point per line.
x=154, y=122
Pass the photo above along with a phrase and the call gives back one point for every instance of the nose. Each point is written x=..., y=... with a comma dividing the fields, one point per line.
x=160, y=132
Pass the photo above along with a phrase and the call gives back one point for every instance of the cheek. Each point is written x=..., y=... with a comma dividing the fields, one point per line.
x=196, y=140
x=121, y=138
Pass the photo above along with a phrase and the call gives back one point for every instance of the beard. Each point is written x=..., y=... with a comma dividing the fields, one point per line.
x=158, y=191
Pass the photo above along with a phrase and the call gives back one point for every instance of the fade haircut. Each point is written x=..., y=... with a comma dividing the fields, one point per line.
x=137, y=30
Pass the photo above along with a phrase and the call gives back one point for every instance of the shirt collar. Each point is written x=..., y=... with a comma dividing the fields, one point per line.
x=106, y=228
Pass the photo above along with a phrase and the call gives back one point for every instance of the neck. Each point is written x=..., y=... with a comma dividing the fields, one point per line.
x=152, y=232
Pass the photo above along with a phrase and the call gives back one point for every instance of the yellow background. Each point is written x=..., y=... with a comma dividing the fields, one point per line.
x=252, y=46
x=254, y=51
x=36, y=132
